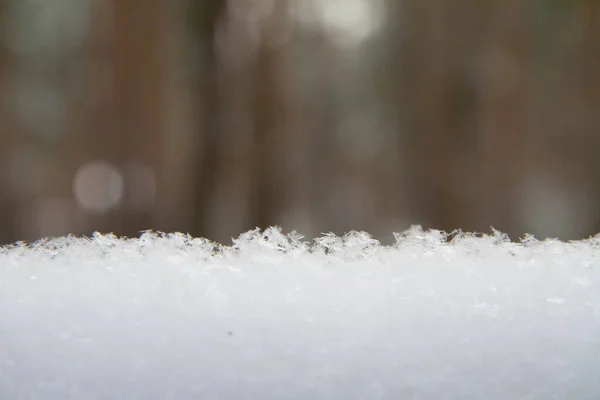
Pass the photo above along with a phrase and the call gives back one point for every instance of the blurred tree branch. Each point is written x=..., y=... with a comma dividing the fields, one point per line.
x=267, y=192
x=8, y=197
x=206, y=16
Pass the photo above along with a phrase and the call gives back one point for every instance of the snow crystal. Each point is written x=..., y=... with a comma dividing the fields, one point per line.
x=434, y=316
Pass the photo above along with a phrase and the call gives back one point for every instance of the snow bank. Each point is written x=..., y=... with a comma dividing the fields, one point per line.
x=273, y=317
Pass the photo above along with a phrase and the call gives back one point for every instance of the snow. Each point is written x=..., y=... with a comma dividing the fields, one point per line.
x=276, y=317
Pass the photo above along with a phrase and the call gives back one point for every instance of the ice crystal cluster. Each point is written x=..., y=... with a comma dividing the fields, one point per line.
x=169, y=316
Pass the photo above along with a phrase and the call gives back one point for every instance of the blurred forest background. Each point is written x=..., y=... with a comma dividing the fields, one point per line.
x=217, y=116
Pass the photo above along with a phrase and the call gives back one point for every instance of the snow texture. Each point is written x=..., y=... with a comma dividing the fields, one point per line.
x=168, y=316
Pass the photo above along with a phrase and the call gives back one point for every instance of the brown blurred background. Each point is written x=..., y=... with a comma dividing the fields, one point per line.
x=216, y=116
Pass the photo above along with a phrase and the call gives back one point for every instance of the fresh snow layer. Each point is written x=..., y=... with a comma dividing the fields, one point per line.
x=168, y=316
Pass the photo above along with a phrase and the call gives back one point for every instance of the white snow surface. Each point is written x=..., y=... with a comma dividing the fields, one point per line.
x=168, y=316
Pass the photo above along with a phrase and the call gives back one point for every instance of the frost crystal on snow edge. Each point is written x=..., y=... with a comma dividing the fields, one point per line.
x=352, y=245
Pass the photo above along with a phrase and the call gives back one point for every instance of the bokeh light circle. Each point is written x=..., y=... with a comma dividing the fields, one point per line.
x=98, y=187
